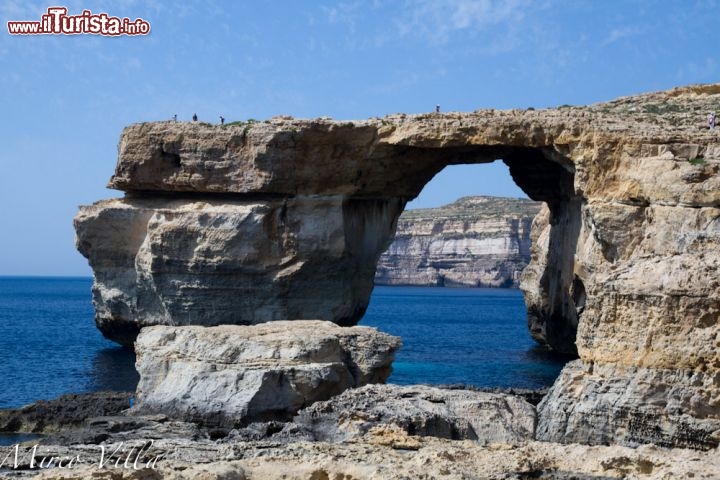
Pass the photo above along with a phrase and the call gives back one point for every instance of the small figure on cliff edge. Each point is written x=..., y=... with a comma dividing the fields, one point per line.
x=194, y=117
x=222, y=120
x=175, y=118
x=711, y=120
x=437, y=108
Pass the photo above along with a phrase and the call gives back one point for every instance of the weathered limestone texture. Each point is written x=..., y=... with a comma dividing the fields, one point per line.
x=473, y=242
x=231, y=261
x=606, y=403
x=624, y=267
x=381, y=454
x=69, y=410
x=231, y=375
x=421, y=411
x=375, y=419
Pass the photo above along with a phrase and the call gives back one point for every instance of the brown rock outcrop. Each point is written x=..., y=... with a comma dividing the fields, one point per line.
x=624, y=265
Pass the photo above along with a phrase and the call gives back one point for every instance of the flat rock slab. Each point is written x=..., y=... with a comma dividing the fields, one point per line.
x=421, y=411
x=229, y=375
x=65, y=412
x=435, y=459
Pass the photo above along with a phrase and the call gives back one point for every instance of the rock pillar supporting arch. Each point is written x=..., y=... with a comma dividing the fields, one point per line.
x=552, y=308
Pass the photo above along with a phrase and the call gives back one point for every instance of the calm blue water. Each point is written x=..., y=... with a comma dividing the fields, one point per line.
x=49, y=344
x=474, y=336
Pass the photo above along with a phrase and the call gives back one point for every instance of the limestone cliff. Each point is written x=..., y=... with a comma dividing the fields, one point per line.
x=287, y=219
x=473, y=242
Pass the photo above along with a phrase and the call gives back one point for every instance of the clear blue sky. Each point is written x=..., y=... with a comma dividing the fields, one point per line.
x=66, y=99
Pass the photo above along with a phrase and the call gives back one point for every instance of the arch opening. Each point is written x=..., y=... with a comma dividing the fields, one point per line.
x=553, y=294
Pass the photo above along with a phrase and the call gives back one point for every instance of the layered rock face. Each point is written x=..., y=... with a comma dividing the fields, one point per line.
x=603, y=404
x=473, y=242
x=229, y=375
x=623, y=266
x=217, y=261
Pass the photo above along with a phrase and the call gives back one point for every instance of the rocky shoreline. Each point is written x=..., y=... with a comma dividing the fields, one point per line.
x=377, y=431
x=305, y=400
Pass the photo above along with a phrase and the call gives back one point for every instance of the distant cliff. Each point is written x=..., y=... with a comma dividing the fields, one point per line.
x=473, y=242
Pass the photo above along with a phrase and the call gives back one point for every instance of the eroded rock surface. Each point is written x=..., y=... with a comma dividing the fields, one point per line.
x=606, y=404
x=473, y=242
x=68, y=411
x=156, y=447
x=383, y=455
x=229, y=376
x=231, y=261
x=422, y=411
x=624, y=267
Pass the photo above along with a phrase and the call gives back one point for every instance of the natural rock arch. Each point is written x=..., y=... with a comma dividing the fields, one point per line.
x=286, y=219
x=160, y=293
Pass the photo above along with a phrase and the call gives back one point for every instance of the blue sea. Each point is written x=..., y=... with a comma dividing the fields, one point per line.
x=49, y=344
x=471, y=336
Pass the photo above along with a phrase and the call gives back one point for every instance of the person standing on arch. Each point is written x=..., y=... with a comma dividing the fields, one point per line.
x=711, y=120
x=194, y=117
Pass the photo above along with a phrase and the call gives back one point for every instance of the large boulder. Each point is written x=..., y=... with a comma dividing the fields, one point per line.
x=229, y=376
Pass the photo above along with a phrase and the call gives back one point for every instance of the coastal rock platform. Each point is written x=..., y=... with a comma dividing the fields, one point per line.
x=382, y=456
x=420, y=411
x=122, y=447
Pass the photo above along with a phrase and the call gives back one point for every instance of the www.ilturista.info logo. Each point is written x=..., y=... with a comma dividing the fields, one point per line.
x=57, y=22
